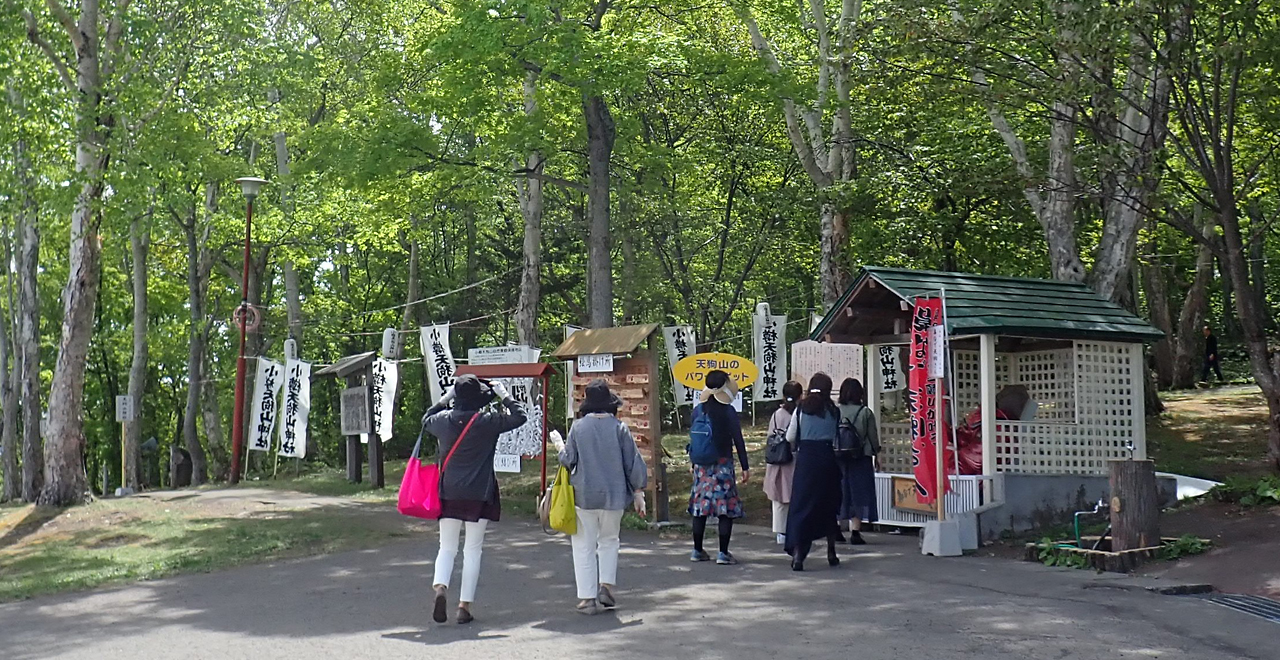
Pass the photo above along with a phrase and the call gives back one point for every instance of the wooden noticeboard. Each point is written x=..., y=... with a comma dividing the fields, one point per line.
x=904, y=497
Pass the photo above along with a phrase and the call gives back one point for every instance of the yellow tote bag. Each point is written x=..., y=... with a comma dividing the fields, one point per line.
x=563, y=516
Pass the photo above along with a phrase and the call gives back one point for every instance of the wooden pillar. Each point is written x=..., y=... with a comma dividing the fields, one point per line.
x=1135, y=505
x=987, y=392
x=657, y=467
x=354, y=458
x=872, y=377
x=376, y=475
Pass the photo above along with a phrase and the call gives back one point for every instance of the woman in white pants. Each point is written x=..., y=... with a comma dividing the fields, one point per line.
x=607, y=473
x=777, y=478
x=468, y=486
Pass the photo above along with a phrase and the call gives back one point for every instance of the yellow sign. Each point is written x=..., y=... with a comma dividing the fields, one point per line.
x=904, y=497
x=693, y=370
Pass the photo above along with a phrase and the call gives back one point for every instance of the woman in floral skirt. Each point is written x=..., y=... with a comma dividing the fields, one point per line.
x=715, y=487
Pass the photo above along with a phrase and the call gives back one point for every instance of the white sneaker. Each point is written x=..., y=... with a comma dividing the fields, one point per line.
x=782, y=539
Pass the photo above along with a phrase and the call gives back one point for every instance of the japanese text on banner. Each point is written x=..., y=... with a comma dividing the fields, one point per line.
x=295, y=406
x=386, y=377
x=922, y=399
x=770, y=334
x=681, y=343
x=262, y=416
x=439, y=359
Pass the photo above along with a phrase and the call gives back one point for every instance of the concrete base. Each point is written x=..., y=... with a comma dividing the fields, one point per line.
x=941, y=539
x=124, y=492
x=968, y=523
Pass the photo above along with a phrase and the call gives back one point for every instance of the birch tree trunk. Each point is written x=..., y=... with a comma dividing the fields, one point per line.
x=601, y=133
x=292, y=291
x=529, y=195
x=211, y=420
x=828, y=159
x=11, y=488
x=27, y=354
x=140, y=243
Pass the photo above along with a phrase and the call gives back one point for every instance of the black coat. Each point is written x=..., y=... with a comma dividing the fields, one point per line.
x=469, y=474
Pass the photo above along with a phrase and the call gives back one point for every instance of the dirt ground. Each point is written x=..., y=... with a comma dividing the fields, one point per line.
x=1245, y=557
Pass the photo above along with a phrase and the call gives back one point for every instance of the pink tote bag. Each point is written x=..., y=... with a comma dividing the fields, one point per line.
x=420, y=488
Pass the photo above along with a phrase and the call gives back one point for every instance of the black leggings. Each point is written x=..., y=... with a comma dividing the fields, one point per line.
x=700, y=530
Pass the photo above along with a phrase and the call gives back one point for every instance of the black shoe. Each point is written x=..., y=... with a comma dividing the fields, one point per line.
x=438, y=613
x=855, y=538
x=797, y=566
x=464, y=616
x=832, y=560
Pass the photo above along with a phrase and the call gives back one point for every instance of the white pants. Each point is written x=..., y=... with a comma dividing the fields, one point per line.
x=450, y=531
x=595, y=550
x=780, y=511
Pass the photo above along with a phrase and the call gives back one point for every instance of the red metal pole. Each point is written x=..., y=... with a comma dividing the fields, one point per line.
x=546, y=394
x=237, y=424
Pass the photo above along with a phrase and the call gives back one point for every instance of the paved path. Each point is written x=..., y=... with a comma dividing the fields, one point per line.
x=886, y=602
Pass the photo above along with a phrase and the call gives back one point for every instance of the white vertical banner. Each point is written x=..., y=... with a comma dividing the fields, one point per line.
x=262, y=416
x=888, y=369
x=681, y=343
x=439, y=359
x=386, y=377
x=295, y=406
x=770, y=334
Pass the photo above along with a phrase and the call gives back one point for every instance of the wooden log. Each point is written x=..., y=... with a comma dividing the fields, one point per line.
x=1135, y=505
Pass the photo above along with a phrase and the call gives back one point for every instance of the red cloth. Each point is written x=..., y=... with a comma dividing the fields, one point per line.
x=969, y=441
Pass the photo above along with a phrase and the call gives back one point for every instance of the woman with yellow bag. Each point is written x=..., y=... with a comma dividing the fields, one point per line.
x=607, y=474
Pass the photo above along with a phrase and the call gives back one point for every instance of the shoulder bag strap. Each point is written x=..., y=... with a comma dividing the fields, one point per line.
x=458, y=441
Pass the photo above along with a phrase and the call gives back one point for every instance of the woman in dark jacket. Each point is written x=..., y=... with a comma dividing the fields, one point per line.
x=468, y=485
x=858, y=475
x=715, y=487
x=815, y=492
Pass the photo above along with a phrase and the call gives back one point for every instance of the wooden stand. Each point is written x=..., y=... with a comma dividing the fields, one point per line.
x=1135, y=505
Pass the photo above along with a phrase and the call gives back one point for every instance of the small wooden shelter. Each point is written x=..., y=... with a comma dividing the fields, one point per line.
x=1079, y=356
x=633, y=376
x=357, y=372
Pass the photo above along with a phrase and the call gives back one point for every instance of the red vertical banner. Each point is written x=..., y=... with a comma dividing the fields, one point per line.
x=922, y=399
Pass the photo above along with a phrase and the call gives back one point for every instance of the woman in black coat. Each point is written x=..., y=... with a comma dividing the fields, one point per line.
x=815, y=493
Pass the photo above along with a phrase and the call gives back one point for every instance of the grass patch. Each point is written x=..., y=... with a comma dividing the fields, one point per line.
x=46, y=550
x=1212, y=434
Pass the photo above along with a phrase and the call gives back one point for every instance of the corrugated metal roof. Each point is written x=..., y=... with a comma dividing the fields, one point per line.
x=985, y=304
x=601, y=341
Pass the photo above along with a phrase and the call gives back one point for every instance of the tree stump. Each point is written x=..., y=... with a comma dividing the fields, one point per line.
x=1135, y=505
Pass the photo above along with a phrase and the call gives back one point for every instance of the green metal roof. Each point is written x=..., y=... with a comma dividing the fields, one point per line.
x=989, y=304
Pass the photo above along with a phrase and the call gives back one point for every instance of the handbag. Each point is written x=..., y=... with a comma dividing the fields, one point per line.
x=777, y=450
x=561, y=514
x=420, y=488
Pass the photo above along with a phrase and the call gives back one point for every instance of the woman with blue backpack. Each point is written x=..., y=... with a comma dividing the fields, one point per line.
x=713, y=435
x=815, y=493
x=858, y=471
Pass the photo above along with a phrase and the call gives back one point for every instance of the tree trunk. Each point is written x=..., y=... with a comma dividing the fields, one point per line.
x=1161, y=316
x=10, y=483
x=529, y=194
x=27, y=354
x=292, y=292
x=1135, y=505
x=1187, y=347
x=211, y=417
x=64, y=475
x=832, y=242
x=140, y=242
x=601, y=133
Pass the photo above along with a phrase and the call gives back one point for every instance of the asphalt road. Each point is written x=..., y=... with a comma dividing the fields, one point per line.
x=885, y=602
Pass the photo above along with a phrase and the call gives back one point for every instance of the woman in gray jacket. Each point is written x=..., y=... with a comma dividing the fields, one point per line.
x=607, y=473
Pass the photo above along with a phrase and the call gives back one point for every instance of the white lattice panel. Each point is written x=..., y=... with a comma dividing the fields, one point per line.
x=1090, y=409
x=1050, y=378
x=895, y=447
x=1110, y=397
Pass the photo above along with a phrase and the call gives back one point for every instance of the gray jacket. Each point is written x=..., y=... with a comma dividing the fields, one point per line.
x=604, y=464
x=469, y=475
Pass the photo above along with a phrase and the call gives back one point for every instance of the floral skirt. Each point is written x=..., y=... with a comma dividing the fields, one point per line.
x=715, y=491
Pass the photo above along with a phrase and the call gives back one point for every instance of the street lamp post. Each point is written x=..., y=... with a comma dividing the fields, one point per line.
x=249, y=185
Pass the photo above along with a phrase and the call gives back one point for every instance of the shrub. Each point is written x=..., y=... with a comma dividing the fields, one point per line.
x=1248, y=492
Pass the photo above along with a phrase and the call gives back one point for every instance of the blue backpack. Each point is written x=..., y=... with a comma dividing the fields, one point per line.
x=702, y=451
